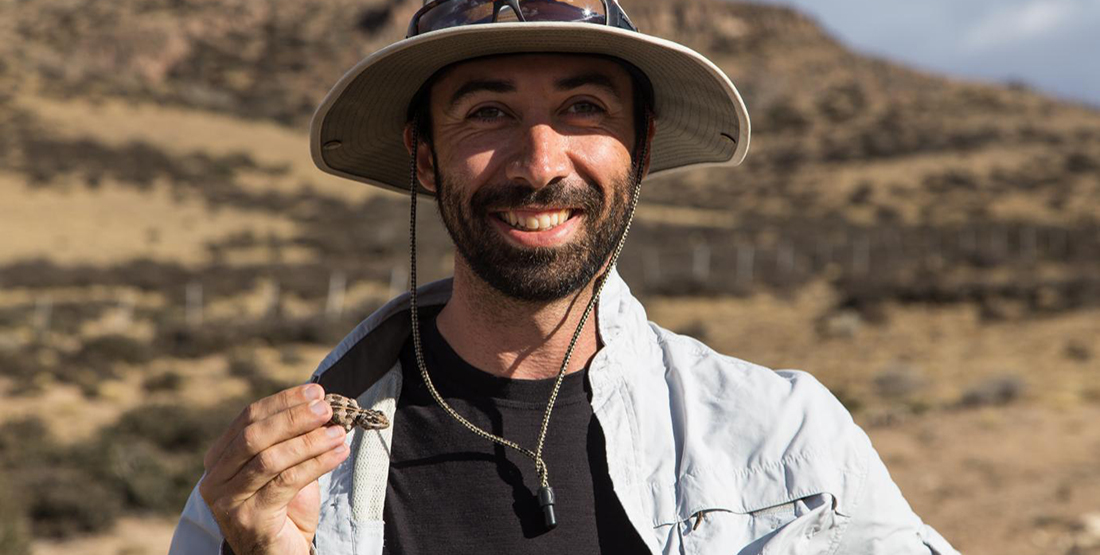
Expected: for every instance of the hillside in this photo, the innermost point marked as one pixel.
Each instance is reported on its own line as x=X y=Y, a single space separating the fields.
x=926 y=247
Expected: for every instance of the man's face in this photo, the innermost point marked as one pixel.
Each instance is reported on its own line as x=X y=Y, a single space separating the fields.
x=532 y=168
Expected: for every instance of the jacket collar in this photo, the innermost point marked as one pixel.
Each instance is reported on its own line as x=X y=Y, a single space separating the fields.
x=372 y=348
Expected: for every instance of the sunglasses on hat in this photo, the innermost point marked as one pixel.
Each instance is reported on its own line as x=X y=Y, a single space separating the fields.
x=441 y=14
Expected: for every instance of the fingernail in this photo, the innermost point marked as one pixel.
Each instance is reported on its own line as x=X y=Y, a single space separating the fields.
x=340 y=449
x=318 y=407
x=334 y=431
x=314 y=391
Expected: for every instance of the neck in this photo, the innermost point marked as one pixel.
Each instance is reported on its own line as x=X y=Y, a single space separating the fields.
x=511 y=338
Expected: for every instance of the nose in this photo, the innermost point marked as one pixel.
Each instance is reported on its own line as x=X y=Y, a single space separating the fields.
x=542 y=157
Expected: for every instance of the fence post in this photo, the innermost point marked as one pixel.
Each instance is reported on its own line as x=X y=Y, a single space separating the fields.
x=861 y=255
x=824 y=253
x=998 y=242
x=930 y=249
x=126 y=305
x=968 y=241
x=897 y=247
x=399 y=280
x=1058 y=242
x=274 y=304
x=700 y=262
x=784 y=258
x=337 y=285
x=651 y=267
x=194 y=304
x=43 y=311
x=1028 y=243
x=746 y=254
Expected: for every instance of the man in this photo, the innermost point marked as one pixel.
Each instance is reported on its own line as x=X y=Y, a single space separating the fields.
x=533 y=408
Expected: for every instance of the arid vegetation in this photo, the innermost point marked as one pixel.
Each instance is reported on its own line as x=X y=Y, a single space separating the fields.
x=927 y=248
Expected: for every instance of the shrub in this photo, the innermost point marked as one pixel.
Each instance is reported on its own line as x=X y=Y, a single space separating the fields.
x=58 y=491
x=19 y=365
x=899 y=382
x=65 y=501
x=1078 y=351
x=171 y=428
x=102 y=353
x=259 y=383
x=14 y=528
x=164 y=381
x=152 y=457
x=995 y=391
x=26 y=442
x=842 y=103
x=784 y=115
x=181 y=340
x=143 y=475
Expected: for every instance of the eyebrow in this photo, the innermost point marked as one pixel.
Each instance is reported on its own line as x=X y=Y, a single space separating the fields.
x=505 y=86
x=479 y=85
x=593 y=78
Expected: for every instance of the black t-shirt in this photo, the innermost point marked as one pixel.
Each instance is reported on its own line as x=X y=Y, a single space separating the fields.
x=452 y=491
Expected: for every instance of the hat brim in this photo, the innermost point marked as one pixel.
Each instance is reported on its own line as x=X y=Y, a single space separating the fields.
x=357 y=132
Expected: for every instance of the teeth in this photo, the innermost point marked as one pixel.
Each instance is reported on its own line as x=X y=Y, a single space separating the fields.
x=542 y=222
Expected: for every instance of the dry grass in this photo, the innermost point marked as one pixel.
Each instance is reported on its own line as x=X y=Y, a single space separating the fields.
x=182 y=131
x=951 y=346
x=115 y=224
x=147 y=175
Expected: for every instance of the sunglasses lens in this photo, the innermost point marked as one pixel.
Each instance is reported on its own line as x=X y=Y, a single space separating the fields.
x=587 y=11
x=454 y=13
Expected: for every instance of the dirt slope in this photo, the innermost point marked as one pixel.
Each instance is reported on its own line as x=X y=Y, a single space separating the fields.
x=925 y=247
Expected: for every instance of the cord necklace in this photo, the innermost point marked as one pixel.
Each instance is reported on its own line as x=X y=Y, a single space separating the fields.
x=545 y=493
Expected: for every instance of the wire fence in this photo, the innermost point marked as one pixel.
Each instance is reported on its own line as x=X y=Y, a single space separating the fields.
x=734 y=261
x=679 y=261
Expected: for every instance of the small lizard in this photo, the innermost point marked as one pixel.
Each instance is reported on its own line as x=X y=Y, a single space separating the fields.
x=347 y=414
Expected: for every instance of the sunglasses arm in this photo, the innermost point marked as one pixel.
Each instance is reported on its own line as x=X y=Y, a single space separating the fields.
x=616 y=17
x=514 y=4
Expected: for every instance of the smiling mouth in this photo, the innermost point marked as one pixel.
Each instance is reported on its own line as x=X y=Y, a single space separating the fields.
x=536 y=220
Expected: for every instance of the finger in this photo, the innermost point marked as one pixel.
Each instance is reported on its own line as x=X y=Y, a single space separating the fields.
x=280 y=491
x=258 y=436
x=270 y=463
x=259 y=410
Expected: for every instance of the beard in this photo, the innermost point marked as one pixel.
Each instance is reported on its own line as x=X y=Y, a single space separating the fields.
x=535 y=274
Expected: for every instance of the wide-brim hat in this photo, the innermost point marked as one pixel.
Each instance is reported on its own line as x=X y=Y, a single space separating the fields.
x=357 y=132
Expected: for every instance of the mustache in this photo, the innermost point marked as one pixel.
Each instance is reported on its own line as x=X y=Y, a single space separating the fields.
x=560 y=193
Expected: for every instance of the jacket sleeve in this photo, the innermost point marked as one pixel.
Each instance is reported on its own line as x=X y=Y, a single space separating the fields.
x=882 y=523
x=196 y=533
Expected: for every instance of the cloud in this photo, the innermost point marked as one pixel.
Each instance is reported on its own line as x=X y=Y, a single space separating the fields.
x=1024 y=22
x=1051 y=44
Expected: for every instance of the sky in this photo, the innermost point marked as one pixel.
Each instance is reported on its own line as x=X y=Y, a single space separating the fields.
x=1050 y=45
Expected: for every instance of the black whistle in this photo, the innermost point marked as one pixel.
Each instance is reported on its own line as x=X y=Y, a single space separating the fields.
x=546 y=501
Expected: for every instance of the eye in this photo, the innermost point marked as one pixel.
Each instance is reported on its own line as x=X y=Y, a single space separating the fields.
x=585 y=107
x=487 y=113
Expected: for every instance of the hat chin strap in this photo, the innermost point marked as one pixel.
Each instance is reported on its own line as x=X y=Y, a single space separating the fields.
x=545 y=493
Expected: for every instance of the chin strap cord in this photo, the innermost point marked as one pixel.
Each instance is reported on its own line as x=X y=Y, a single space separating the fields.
x=545 y=493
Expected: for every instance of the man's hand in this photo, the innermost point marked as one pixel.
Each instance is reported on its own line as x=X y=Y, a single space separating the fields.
x=261 y=474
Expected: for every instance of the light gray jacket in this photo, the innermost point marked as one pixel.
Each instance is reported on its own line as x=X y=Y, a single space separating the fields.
x=707 y=453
